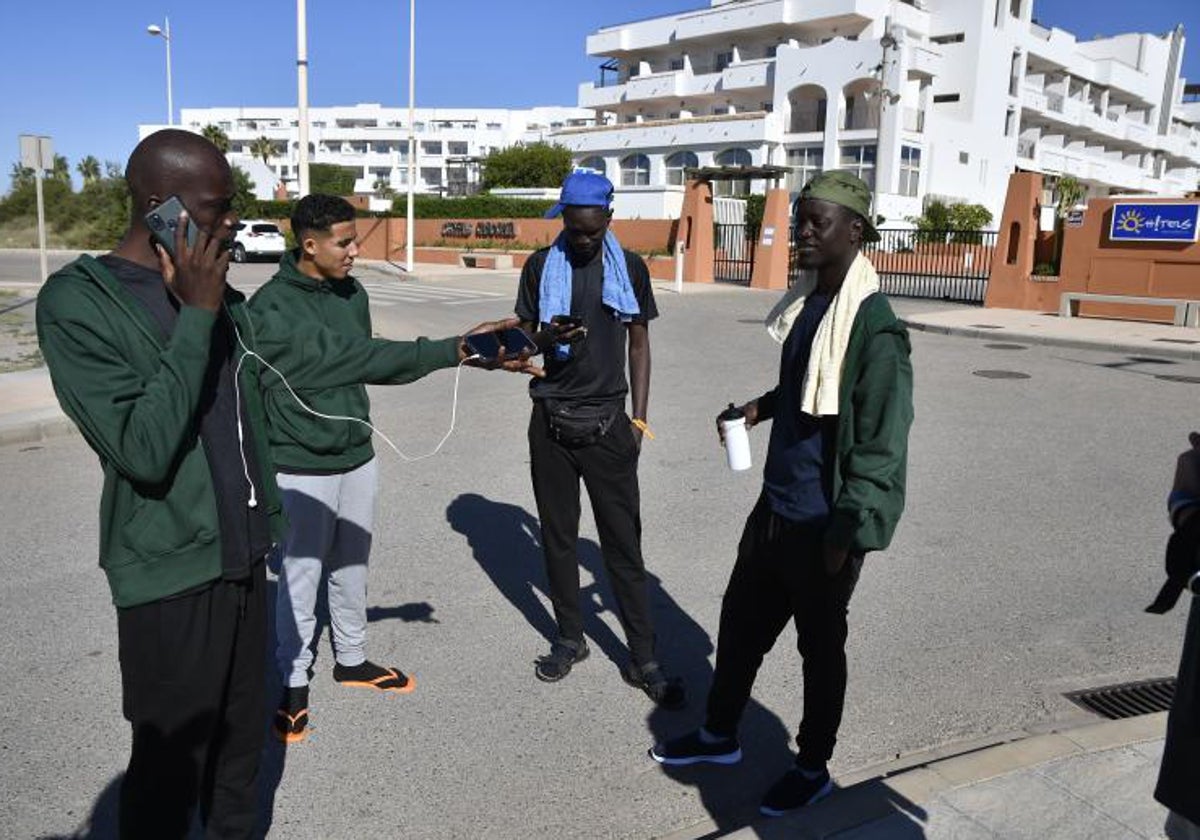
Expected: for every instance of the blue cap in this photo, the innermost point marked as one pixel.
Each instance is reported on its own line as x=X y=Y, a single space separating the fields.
x=583 y=189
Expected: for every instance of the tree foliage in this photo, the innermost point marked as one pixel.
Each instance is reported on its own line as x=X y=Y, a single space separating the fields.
x=88 y=169
x=534 y=165
x=217 y=136
x=957 y=222
x=244 y=202
x=331 y=179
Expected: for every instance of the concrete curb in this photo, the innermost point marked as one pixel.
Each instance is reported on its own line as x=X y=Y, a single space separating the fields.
x=875 y=793
x=35 y=426
x=1007 y=334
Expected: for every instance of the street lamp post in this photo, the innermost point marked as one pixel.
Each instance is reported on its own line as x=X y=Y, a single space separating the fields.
x=302 y=98
x=164 y=32
x=412 y=137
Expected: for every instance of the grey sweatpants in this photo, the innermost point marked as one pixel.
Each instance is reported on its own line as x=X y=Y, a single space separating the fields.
x=330 y=520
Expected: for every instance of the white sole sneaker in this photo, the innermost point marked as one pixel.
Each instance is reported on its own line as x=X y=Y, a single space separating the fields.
x=825 y=790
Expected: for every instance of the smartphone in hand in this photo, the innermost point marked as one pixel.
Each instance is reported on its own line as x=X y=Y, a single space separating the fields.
x=163 y=221
x=487 y=345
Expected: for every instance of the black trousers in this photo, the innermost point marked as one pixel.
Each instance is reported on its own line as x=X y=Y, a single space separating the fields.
x=608 y=468
x=193 y=678
x=780 y=575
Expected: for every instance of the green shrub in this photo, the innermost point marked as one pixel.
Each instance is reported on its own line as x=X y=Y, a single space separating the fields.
x=755 y=206
x=1045 y=269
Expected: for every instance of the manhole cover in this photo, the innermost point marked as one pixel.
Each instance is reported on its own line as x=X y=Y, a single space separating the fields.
x=1166 y=377
x=1006 y=346
x=987 y=326
x=1177 y=341
x=1000 y=374
x=1127 y=699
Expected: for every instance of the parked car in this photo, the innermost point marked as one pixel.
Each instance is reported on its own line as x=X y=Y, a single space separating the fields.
x=258 y=238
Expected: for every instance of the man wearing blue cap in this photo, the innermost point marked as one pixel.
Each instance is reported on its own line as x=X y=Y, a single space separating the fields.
x=579 y=428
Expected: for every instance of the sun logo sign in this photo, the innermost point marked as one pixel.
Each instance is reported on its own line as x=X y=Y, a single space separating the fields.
x=1154 y=222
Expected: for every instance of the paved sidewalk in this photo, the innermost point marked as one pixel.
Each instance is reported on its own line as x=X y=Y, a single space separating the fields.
x=1041 y=328
x=1095 y=781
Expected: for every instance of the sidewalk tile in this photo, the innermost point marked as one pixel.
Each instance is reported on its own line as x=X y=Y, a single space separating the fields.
x=1025 y=806
x=1118 y=782
x=1005 y=758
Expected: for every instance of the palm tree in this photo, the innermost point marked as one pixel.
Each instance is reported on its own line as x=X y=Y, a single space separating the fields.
x=217 y=136
x=89 y=169
x=263 y=147
x=21 y=176
x=383 y=188
x=61 y=170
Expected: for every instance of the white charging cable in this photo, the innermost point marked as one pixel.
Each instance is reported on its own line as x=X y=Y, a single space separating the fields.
x=237 y=391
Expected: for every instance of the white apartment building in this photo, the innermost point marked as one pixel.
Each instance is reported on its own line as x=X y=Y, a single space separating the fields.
x=450 y=142
x=922 y=98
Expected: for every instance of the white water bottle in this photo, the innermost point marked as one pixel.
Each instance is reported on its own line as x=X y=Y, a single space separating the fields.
x=737 y=438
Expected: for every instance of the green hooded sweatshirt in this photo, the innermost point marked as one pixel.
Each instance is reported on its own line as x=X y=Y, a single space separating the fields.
x=317 y=333
x=135 y=399
x=875 y=411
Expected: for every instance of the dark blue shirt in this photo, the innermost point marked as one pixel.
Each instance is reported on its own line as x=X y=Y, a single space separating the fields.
x=798 y=476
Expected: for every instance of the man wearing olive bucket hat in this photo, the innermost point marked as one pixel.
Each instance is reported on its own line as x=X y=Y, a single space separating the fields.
x=833 y=487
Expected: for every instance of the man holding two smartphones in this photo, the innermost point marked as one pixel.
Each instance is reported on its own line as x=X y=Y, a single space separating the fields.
x=313 y=325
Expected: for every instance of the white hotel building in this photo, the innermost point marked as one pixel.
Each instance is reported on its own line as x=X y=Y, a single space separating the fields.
x=374 y=140
x=922 y=98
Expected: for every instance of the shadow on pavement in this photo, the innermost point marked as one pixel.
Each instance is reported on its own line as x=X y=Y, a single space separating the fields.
x=506 y=541
x=101 y=823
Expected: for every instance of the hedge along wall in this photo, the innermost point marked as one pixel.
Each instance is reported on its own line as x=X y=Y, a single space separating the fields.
x=385 y=238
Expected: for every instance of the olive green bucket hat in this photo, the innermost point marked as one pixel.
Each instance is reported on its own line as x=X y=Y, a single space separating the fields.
x=841 y=187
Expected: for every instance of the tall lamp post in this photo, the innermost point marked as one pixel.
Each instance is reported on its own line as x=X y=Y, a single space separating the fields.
x=164 y=32
x=412 y=137
x=302 y=98
x=886 y=97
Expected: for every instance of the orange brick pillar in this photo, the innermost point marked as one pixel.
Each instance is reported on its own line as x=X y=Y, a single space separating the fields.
x=696 y=231
x=774 y=245
x=1012 y=263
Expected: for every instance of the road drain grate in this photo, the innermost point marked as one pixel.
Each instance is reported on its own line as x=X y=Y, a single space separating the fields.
x=1127 y=699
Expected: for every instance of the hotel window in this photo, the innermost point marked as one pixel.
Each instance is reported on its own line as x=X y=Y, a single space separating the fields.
x=724 y=59
x=733 y=157
x=910 y=170
x=860 y=160
x=676 y=164
x=635 y=171
x=676 y=64
x=596 y=164
x=457 y=147
x=806 y=163
x=431 y=176
x=431 y=147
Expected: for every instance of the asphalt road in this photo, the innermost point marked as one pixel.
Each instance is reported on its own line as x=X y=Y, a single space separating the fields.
x=1031 y=543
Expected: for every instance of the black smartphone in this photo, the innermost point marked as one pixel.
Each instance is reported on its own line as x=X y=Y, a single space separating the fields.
x=163 y=221
x=568 y=321
x=487 y=345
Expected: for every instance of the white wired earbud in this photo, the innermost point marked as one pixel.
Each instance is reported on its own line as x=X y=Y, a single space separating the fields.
x=247 y=352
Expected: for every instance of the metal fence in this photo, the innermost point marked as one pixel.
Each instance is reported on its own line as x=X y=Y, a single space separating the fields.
x=734 y=247
x=940 y=264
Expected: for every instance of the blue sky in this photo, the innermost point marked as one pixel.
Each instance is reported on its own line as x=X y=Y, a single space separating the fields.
x=87 y=73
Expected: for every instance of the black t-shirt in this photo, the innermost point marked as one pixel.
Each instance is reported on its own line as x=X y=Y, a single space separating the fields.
x=245 y=531
x=594 y=373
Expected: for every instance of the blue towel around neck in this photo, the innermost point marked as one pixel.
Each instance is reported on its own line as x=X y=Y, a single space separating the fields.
x=554 y=292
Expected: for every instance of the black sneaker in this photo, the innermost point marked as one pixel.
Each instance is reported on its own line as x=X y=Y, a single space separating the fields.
x=666 y=693
x=290 y=724
x=795 y=790
x=692 y=749
x=557 y=664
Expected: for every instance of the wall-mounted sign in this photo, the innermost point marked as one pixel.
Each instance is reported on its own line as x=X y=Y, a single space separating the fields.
x=768 y=235
x=482 y=230
x=1154 y=222
x=1075 y=217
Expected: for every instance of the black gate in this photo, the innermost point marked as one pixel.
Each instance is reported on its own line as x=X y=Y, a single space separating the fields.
x=733 y=253
x=940 y=264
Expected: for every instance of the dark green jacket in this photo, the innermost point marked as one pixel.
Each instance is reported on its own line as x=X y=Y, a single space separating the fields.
x=875 y=411
x=318 y=335
x=135 y=399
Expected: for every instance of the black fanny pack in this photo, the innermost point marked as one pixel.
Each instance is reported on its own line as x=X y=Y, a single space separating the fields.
x=580 y=425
